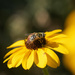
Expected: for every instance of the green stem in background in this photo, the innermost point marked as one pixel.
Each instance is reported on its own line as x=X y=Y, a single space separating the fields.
x=45 y=71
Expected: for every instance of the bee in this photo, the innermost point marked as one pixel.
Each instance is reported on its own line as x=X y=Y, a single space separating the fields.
x=35 y=40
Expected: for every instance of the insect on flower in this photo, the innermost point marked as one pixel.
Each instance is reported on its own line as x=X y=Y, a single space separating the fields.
x=36 y=48
x=35 y=40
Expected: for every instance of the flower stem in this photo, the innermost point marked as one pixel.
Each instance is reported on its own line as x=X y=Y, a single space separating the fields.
x=45 y=71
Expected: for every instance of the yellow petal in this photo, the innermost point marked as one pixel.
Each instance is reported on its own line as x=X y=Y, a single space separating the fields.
x=51 y=62
x=28 y=60
x=52 y=32
x=60 y=40
x=36 y=57
x=18 y=57
x=58 y=36
x=41 y=58
x=51 y=54
x=12 y=51
x=18 y=60
x=51 y=44
x=9 y=64
x=61 y=49
x=8 y=58
x=17 y=44
x=11 y=56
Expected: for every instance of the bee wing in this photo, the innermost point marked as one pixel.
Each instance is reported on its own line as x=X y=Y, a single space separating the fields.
x=26 y=35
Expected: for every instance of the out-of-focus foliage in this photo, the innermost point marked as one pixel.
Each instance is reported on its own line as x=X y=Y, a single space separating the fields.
x=35 y=15
x=69 y=60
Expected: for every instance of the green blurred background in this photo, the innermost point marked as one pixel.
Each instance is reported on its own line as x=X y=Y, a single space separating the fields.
x=19 y=17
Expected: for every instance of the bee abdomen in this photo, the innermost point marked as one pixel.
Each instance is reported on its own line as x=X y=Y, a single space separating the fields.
x=36 y=43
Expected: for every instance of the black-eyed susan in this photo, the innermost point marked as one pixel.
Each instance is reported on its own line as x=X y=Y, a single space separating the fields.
x=37 y=48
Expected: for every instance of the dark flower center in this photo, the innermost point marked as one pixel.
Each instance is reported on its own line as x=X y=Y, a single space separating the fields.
x=34 y=41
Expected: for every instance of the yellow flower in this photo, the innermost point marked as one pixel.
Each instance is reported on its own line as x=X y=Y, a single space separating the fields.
x=37 y=48
x=69 y=60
